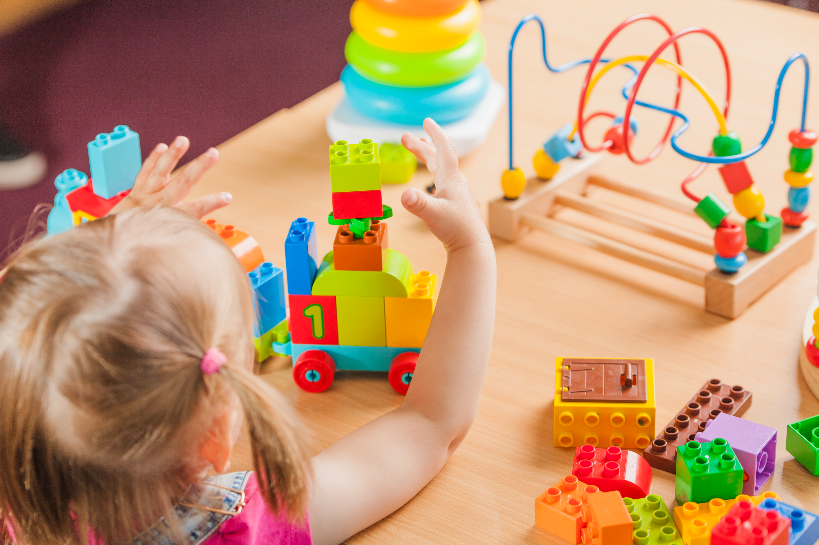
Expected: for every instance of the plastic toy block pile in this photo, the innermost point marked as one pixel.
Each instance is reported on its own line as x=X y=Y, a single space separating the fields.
x=721 y=462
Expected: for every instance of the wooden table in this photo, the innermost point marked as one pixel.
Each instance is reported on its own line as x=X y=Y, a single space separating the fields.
x=556 y=298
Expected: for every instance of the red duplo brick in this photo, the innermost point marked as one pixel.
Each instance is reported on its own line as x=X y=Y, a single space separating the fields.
x=357 y=204
x=612 y=469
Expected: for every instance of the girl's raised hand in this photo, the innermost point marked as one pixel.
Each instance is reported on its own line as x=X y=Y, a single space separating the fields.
x=154 y=186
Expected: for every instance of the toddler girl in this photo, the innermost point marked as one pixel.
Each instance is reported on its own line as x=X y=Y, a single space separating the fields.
x=126 y=361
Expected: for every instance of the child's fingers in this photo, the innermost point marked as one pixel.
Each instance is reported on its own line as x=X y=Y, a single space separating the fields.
x=148 y=165
x=445 y=157
x=191 y=174
x=203 y=206
x=422 y=149
x=419 y=203
x=158 y=177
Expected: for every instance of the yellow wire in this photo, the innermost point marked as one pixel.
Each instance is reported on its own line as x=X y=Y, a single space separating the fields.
x=723 y=127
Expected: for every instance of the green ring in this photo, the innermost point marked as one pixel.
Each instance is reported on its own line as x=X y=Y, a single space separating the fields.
x=414 y=69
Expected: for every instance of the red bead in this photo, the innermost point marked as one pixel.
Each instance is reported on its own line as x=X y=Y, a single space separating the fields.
x=793 y=219
x=812 y=352
x=729 y=240
x=615 y=135
x=802 y=139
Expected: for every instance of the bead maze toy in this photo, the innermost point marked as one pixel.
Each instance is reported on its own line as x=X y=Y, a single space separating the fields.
x=412 y=59
x=809 y=354
x=775 y=245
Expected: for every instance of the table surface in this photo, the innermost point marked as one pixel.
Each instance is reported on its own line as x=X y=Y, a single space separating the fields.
x=556 y=298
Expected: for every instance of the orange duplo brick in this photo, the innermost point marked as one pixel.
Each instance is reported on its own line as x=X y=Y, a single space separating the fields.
x=243 y=246
x=560 y=509
x=360 y=254
x=608 y=520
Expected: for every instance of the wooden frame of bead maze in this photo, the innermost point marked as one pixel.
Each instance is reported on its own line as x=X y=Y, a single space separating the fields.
x=727 y=295
x=568 y=161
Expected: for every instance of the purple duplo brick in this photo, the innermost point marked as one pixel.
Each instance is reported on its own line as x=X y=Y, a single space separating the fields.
x=753 y=444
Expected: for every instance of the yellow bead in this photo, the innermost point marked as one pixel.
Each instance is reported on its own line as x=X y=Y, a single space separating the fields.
x=815 y=330
x=816 y=316
x=544 y=166
x=513 y=183
x=749 y=202
x=798 y=179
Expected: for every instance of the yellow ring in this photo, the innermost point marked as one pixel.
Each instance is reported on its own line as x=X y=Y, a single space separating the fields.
x=415 y=34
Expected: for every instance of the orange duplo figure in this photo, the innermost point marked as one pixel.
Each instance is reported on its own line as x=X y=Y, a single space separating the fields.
x=360 y=254
x=609 y=522
x=243 y=246
x=560 y=509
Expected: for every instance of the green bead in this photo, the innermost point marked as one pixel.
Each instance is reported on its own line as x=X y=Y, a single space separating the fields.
x=800 y=159
x=712 y=210
x=763 y=236
x=725 y=145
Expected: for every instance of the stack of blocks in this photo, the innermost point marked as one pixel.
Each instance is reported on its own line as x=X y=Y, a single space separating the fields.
x=363 y=293
x=604 y=402
x=115 y=160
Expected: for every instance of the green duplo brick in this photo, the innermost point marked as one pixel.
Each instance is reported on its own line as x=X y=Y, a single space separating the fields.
x=652 y=521
x=802 y=441
x=800 y=159
x=706 y=471
x=763 y=236
x=354 y=167
x=711 y=210
x=397 y=164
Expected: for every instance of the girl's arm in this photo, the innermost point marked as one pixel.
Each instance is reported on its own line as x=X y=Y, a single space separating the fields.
x=378 y=468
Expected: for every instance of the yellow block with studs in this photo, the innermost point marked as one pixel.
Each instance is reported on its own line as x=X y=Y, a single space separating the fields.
x=408 y=318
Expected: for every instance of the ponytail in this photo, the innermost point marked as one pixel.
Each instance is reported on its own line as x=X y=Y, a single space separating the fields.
x=279 y=453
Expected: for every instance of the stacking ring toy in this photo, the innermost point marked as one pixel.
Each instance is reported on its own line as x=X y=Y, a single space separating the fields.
x=410 y=105
x=417 y=8
x=414 y=69
x=415 y=34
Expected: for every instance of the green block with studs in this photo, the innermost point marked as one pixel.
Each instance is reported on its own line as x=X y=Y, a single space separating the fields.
x=712 y=210
x=800 y=159
x=354 y=167
x=763 y=236
x=397 y=164
x=652 y=521
x=802 y=441
x=266 y=344
x=706 y=471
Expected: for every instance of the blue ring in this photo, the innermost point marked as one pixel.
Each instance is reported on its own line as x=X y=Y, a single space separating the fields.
x=411 y=105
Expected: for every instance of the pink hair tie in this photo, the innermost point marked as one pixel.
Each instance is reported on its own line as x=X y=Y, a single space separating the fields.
x=212 y=361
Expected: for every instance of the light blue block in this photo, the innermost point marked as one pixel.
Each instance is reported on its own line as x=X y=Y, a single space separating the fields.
x=558 y=147
x=301 y=255
x=61 y=219
x=804 y=525
x=115 y=159
x=268 y=287
x=798 y=198
x=356 y=358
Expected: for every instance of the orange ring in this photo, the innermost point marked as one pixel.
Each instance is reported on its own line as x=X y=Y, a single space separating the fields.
x=417 y=8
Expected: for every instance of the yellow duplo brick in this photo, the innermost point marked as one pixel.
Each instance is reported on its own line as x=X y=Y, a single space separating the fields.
x=80 y=215
x=696 y=520
x=408 y=318
x=361 y=321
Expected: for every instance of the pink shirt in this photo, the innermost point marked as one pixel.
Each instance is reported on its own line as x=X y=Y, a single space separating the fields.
x=256 y=524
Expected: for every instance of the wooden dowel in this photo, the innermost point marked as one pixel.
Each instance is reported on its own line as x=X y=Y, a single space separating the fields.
x=610 y=213
x=616 y=249
x=646 y=193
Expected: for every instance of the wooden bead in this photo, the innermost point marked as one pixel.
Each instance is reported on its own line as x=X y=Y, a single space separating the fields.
x=812 y=352
x=724 y=145
x=513 y=183
x=729 y=240
x=736 y=177
x=798 y=179
x=731 y=265
x=802 y=139
x=798 y=198
x=816 y=315
x=712 y=210
x=815 y=329
x=749 y=202
x=615 y=135
x=544 y=166
x=791 y=218
x=800 y=159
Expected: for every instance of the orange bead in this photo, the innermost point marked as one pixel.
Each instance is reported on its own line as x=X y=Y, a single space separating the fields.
x=417 y=8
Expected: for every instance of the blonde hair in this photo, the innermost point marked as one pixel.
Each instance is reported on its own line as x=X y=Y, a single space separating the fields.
x=103 y=405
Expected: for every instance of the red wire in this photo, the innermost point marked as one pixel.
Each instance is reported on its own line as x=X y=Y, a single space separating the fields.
x=593 y=64
x=647 y=66
x=691 y=177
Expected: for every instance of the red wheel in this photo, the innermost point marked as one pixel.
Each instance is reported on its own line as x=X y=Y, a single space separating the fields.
x=401 y=370
x=314 y=371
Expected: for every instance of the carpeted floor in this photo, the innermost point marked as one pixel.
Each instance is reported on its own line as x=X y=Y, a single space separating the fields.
x=207 y=69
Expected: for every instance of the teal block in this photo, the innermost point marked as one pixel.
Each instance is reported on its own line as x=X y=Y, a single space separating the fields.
x=706 y=471
x=356 y=358
x=354 y=167
x=653 y=523
x=802 y=441
x=61 y=218
x=763 y=236
x=115 y=159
